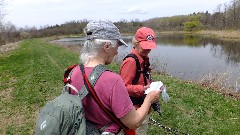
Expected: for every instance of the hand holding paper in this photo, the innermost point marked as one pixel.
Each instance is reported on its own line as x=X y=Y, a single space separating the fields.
x=154 y=86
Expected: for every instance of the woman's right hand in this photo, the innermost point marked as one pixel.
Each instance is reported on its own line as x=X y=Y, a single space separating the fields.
x=153 y=96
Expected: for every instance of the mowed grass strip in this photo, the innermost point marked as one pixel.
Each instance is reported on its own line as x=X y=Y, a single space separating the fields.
x=196 y=110
x=32 y=75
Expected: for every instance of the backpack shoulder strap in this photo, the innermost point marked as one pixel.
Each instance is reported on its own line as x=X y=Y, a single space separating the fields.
x=95 y=74
x=138 y=67
x=67 y=79
x=68 y=73
x=88 y=83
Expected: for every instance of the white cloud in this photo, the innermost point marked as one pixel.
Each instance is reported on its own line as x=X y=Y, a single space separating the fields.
x=30 y=2
x=136 y=10
x=51 y=12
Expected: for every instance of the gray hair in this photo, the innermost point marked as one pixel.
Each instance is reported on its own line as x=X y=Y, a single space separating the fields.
x=92 y=49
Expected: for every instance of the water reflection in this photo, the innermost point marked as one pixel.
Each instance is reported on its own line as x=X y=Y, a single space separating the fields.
x=194 y=57
x=190 y=57
x=179 y=40
x=229 y=50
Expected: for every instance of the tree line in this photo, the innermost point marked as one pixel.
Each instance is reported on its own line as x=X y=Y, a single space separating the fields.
x=225 y=17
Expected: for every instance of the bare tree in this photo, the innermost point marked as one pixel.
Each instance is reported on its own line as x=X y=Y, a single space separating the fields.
x=234 y=12
x=1 y=10
x=1 y=23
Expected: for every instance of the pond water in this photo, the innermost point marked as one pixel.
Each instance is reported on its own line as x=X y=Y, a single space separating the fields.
x=189 y=57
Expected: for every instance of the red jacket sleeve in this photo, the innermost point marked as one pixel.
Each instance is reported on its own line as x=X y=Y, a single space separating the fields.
x=127 y=72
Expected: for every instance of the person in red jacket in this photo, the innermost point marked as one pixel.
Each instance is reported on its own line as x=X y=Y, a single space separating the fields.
x=143 y=42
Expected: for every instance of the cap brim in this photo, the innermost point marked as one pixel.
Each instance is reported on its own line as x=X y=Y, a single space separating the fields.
x=121 y=42
x=148 y=45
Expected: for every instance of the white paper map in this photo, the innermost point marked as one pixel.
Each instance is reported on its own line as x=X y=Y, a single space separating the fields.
x=154 y=86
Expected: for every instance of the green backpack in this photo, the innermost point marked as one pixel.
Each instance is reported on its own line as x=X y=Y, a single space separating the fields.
x=64 y=115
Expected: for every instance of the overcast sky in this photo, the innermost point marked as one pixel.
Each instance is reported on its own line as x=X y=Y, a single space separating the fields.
x=51 y=12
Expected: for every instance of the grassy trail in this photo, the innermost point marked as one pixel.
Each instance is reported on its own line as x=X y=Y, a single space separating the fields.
x=32 y=75
x=29 y=77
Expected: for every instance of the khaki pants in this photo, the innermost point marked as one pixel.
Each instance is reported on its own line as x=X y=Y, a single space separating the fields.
x=121 y=133
x=142 y=130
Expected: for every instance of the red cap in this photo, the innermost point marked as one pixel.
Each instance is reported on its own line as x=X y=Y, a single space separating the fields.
x=146 y=38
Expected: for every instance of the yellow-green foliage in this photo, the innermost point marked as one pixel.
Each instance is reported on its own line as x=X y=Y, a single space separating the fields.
x=192 y=26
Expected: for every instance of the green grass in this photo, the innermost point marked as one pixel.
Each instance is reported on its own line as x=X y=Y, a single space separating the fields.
x=32 y=75
x=196 y=110
x=29 y=77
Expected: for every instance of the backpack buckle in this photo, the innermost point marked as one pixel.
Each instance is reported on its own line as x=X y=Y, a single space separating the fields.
x=67 y=80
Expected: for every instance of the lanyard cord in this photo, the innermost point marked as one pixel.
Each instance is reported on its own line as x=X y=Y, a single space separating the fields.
x=98 y=101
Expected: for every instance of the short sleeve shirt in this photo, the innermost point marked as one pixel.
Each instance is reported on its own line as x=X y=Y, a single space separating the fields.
x=112 y=92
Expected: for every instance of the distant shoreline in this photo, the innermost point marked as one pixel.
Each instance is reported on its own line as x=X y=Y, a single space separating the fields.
x=224 y=35
x=230 y=35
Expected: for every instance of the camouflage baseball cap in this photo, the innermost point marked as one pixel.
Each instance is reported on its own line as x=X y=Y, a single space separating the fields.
x=103 y=29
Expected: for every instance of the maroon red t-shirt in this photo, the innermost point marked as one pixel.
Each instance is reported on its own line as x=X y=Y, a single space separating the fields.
x=111 y=90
